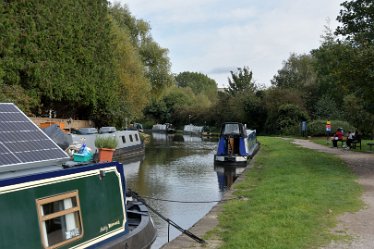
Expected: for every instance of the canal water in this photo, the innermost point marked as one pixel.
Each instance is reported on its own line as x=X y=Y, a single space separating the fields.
x=177 y=169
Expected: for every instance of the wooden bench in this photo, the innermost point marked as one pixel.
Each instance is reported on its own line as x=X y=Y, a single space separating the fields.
x=356 y=141
x=370 y=145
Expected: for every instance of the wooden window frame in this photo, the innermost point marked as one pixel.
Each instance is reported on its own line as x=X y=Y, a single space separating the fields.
x=42 y=218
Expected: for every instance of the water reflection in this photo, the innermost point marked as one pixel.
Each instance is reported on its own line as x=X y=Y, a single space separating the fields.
x=227 y=175
x=177 y=168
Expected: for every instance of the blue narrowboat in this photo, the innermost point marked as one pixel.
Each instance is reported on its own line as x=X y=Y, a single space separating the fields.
x=236 y=144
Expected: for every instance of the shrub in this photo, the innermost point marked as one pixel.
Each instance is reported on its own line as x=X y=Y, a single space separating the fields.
x=318 y=128
x=108 y=142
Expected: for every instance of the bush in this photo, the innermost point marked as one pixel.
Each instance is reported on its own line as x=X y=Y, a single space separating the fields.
x=318 y=128
x=108 y=142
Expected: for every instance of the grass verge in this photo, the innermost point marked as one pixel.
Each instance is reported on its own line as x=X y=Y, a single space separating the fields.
x=291 y=199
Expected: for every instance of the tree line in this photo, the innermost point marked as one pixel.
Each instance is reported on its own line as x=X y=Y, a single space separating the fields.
x=91 y=60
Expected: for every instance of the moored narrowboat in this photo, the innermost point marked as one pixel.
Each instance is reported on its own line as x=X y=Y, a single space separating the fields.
x=194 y=130
x=163 y=128
x=236 y=144
x=129 y=142
x=44 y=204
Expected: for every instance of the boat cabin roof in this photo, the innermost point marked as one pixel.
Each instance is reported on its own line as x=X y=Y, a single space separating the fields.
x=233 y=128
x=23 y=145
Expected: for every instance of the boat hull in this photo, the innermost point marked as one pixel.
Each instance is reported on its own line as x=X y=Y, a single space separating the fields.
x=94 y=211
x=136 y=238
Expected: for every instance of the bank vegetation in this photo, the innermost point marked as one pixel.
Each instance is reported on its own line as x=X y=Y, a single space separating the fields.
x=92 y=60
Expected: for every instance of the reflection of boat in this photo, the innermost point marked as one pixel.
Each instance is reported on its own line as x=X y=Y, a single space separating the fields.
x=236 y=144
x=44 y=205
x=163 y=128
x=162 y=137
x=129 y=141
x=131 y=168
x=193 y=139
x=227 y=175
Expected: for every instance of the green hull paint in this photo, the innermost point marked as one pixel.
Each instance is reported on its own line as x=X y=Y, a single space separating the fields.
x=100 y=199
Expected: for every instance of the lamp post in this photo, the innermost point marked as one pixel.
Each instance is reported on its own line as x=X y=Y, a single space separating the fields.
x=189 y=119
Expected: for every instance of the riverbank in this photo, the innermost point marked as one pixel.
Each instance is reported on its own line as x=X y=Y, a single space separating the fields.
x=291 y=198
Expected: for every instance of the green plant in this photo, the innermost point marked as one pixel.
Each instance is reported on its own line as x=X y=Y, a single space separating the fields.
x=108 y=142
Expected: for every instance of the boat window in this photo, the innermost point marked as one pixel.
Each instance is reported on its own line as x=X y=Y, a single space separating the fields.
x=124 y=139
x=131 y=140
x=60 y=219
x=136 y=137
x=231 y=129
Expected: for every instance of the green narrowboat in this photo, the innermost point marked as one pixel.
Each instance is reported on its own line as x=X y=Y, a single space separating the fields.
x=44 y=204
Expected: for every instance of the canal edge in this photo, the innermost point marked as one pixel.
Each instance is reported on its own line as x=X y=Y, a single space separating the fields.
x=206 y=223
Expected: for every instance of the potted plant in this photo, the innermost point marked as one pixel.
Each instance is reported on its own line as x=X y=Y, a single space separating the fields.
x=106 y=146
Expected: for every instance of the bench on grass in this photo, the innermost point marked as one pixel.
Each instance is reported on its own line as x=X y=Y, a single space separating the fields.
x=370 y=145
x=356 y=141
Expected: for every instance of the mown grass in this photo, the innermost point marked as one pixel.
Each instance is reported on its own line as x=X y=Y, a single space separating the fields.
x=291 y=199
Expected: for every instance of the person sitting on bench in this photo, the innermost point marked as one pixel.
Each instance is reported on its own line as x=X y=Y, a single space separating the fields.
x=338 y=136
x=349 y=139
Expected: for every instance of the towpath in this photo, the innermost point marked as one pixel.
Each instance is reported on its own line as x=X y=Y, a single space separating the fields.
x=358 y=225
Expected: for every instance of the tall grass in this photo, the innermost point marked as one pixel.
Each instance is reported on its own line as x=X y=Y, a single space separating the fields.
x=291 y=199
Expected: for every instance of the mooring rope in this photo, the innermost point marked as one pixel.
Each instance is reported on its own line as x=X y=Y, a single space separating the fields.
x=169 y=221
x=190 y=202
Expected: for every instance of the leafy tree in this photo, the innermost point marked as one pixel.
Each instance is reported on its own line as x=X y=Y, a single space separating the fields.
x=241 y=81
x=274 y=97
x=357 y=113
x=289 y=116
x=298 y=72
x=59 y=53
x=357 y=18
x=327 y=108
x=134 y=87
x=155 y=58
x=198 y=82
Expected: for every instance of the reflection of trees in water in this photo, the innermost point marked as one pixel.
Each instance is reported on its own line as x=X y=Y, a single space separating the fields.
x=175 y=170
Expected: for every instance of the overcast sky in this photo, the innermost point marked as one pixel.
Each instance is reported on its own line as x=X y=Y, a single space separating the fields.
x=214 y=37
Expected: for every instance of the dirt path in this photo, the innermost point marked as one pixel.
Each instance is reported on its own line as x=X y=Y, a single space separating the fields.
x=359 y=225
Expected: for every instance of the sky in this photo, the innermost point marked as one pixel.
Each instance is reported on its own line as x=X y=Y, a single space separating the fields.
x=215 y=37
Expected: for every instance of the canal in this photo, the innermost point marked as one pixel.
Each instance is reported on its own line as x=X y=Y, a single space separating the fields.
x=177 y=168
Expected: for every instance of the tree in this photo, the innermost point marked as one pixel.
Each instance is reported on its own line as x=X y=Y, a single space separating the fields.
x=241 y=81
x=59 y=53
x=155 y=59
x=357 y=20
x=274 y=97
x=199 y=83
x=134 y=90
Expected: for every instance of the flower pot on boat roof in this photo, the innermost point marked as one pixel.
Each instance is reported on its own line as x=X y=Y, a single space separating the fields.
x=106 y=146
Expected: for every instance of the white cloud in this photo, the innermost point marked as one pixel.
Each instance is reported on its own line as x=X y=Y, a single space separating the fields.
x=209 y=36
